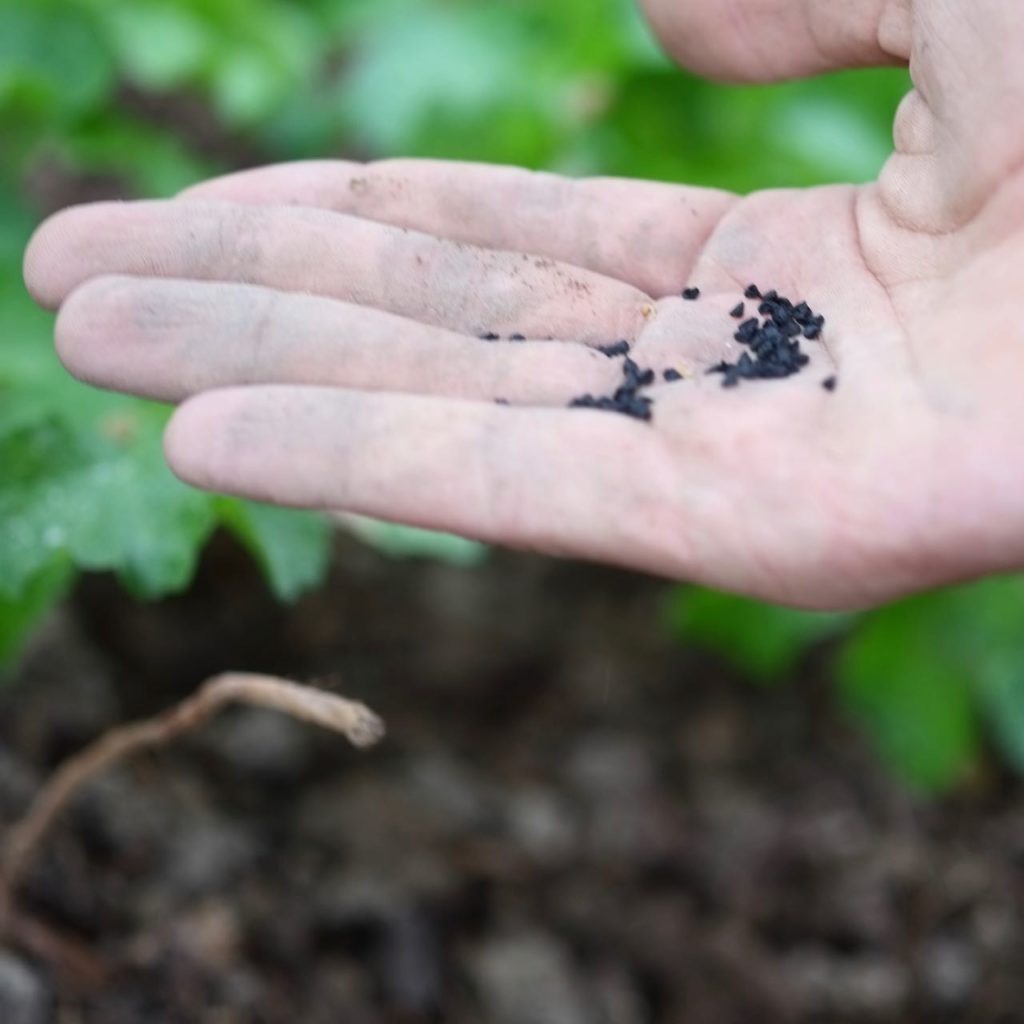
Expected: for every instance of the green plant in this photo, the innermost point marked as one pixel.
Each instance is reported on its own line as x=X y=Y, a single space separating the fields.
x=929 y=678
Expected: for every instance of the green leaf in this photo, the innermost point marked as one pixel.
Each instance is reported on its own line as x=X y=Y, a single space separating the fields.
x=410 y=542
x=107 y=503
x=52 y=58
x=159 y=45
x=986 y=623
x=293 y=547
x=1001 y=689
x=765 y=640
x=911 y=692
x=20 y=615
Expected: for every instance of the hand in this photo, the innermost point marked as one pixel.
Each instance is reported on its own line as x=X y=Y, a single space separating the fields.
x=319 y=322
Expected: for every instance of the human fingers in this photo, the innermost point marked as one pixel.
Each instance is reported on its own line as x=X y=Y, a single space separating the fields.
x=769 y=40
x=169 y=339
x=645 y=233
x=437 y=281
x=573 y=483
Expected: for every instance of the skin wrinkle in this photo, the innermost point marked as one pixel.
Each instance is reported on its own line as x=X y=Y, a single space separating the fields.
x=265 y=318
x=895 y=30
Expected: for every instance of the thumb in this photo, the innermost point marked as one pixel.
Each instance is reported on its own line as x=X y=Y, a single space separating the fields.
x=768 y=40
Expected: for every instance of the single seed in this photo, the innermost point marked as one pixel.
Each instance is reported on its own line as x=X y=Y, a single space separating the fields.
x=737 y=311
x=620 y=348
x=489 y=336
x=829 y=383
x=672 y=375
x=690 y=294
x=517 y=337
x=753 y=292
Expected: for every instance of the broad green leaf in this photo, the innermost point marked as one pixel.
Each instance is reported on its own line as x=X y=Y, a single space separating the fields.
x=154 y=163
x=106 y=503
x=765 y=640
x=411 y=542
x=294 y=548
x=52 y=58
x=20 y=615
x=911 y=692
x=1001 y=690
x=986 y=623
x=159 y=45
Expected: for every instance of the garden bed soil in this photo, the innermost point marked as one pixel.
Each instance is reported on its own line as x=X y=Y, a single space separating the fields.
x=574 y=819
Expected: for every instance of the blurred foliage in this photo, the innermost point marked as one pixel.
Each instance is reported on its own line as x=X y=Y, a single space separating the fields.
x=929 y=678
x=157 y=93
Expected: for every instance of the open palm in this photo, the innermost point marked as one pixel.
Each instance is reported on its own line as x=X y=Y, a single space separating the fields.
x=321 y=323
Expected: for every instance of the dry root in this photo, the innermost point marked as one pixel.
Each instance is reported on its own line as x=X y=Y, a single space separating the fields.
x=353 y=720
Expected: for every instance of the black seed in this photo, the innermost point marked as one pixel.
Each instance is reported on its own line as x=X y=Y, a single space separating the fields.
x=753 y=292
x=501 y=401
x=829 y=383
x=722 y=367
x=646 y=378
x=737 y=312
x=517 y=337
x=620 y=348
x=690 y=294
x=747 y=331
x=771 y=296
x=813 y=332
x=489 y=336
x=672 y=375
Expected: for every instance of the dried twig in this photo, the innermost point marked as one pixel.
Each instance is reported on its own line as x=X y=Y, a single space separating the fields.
x=355 y=721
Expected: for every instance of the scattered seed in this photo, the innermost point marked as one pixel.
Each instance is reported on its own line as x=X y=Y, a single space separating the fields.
x=626 y=399
x=501 y=401
x=737 y=312
x=517 y=337
x=753 y=292
x=672 y=375
x=691 y=294
x=620 y=348
x=829 y=383
x=489 y=336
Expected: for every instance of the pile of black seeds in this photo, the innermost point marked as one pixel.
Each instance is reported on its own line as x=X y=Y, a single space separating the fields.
x=773 y=344
x=774 y=341
x=626 y=399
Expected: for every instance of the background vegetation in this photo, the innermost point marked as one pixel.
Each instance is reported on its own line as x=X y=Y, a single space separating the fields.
x=141 y=97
